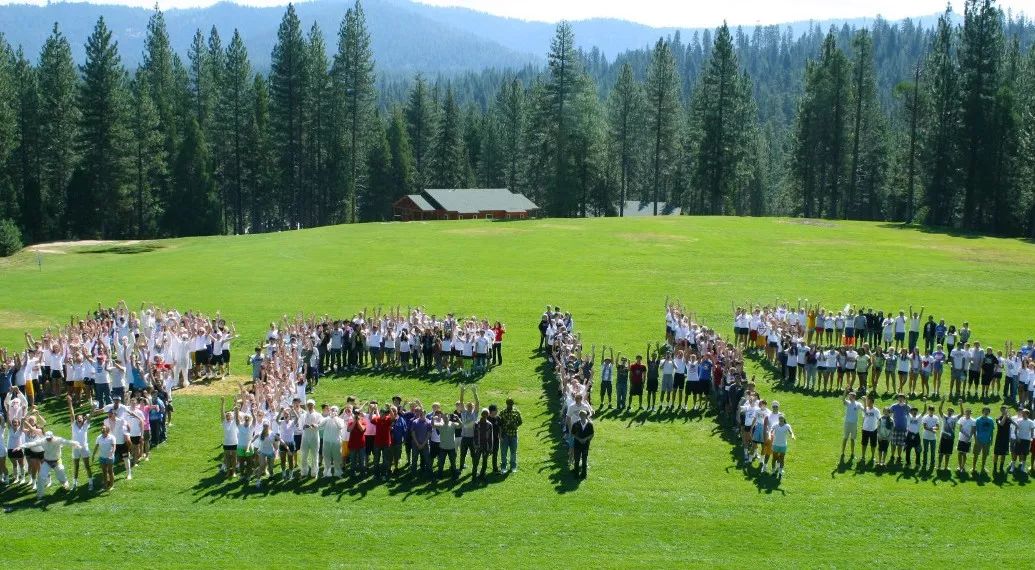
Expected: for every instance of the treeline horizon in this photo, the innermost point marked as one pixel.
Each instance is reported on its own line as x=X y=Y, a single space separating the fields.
x=888 y=122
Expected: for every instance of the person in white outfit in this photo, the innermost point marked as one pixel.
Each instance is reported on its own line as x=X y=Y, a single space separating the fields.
x=81 y=454
x=310 y=422
x=331 y=429
x=51 y=459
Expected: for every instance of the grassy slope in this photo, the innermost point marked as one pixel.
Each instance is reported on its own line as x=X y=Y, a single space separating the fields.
x=660 y=490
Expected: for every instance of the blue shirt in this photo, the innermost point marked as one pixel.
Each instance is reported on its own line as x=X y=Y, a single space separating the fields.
x=399 y=430
x=420 y=428
x=983 y=428
x=704 y=371
x=899 y=412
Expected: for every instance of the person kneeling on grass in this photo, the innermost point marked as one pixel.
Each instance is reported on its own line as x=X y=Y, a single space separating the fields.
x=779 y=434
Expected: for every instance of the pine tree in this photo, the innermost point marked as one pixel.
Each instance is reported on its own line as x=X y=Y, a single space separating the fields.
x=866 y=169
x=662 y=104
x=59 y=119
x=201 y=88
x=96 y=198
x=401 y=172
x=353 y=76
x=197 y=195
x=8 y=197
x=723 y=115
x=288 y=113
x=257 y=172
x=586 y=146
x=421 y=126
x=375 y=203
x=1026 y=105
x=450 y=167
x=28 y=175
x=940 y=126
x=318 y=95
x=625 y=130
x=980 y=54
x=510 y=106
x=232 y=119
x=160 y=73
x=149 y=163
x=563 y=71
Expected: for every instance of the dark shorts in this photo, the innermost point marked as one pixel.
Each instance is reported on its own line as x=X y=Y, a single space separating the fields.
x=900 y=336
x=1002 y=447
x=1022 y=446
x=974 y=376
x=636 y=389
x=37 y=455
x=963 y=447
x=945 y=445
x=869 y=438
x=135 y=439
x=882 y=445
x=121 y=450
x=298 y=442
x=16 y=454
x=652 y=385
x=229 y=448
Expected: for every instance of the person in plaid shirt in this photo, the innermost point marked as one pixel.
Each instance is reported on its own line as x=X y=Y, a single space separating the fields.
x=510 y=421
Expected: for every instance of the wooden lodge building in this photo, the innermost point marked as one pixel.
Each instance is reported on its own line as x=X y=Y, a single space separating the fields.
x=464 y=204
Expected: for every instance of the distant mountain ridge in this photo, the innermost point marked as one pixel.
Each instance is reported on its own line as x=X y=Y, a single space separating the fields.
x=407 y=37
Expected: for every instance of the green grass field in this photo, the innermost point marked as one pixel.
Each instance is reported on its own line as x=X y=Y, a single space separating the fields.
x=662 y=490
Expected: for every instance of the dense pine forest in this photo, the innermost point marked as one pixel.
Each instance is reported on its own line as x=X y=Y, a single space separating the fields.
x=890 y=122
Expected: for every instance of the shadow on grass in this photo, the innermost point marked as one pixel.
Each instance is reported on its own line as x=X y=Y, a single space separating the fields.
x=126 y=249
x=551 y=432
x=215 y=486
x=947 y=231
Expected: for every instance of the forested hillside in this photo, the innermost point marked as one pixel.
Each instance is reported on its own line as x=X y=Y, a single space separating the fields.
x=888 y=122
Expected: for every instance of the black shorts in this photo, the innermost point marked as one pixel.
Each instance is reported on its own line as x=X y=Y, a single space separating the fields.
x=945 y=445
x=287 y=446
x=135 y=439
x=298 y=441
x=16 y=453
x=963 y=446
x=229 y=448
x=974 y=376
x=37 y=455
x=869 y=438
x=121 y=450
x=882 y=445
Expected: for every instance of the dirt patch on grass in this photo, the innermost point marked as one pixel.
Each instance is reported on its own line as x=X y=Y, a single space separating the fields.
x=556 y=226
x=25 y=321
x=655 y=237
x=808 y=221
x=494 y=230
x=59 y=247
x=214 y=387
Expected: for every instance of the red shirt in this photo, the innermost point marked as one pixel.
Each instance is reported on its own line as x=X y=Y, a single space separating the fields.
x=383 y=437
x=357 y=434
x=499 y=333
x=636 y=372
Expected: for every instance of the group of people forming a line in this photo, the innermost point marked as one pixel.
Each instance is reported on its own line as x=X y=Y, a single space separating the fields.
x=564 y=351
x=115 y=363
x=268 y=426
x=115 y=352
x=928 y=436
x=412 y=342
x=827 y=351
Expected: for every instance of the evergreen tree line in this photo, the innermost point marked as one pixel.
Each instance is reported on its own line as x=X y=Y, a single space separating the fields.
x=890 y=122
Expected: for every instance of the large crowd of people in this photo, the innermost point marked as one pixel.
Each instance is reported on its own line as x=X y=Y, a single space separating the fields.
x=306 y=348
x=270 y=425
x=114 y=364
x=872 y=351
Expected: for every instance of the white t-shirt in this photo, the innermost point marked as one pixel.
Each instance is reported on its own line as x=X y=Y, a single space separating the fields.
x=852 y=410
x=1024 y=428
x=930 y=425
x=871 y=417
x=966 y=426
x=229 y=433
x=105 y=446
x=780 y=434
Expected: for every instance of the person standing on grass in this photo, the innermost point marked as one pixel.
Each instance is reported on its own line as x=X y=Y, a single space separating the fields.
x=637 y=374
x=1003 y=435
x=871 y=420
x=966 y=426
x=607 y=368
x=468 y=417
x=622 y=383
x=948 y=435
x=779 y=435
x=653 y=373
x=913 y=437
x=446 y=427
x=420 y=440
x=1023 y=431
x=582 y=433
x=510 y=420
x=357 y=444
x=483 y=444
x=668 y=369
x=104 y=452
x=989 y=365
x=929 y=427
x=771 y=420
x=81 y=454
x=914 y=327
x=851 y=425
x=51 y=460
x=984 y=430
x=309 y=421
x=885 y=431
